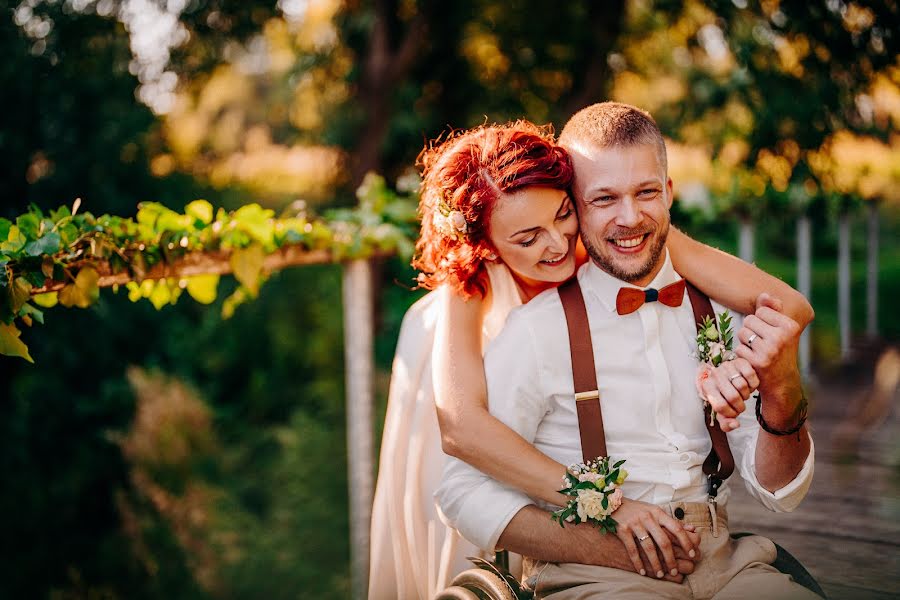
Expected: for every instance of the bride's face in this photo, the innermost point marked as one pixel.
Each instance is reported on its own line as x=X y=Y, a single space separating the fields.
x=535 y=232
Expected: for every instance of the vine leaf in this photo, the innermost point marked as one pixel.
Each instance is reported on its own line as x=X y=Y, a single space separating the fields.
x=83 y=292
x=11 y=345
x=203 y=288
x=47 y=244
x=19 y=293
x=247 y=264
x=47 y=300
x=200 y=210
x=15 y=240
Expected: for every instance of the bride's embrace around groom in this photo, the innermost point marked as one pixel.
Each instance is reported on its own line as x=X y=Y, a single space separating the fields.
x=501 y=209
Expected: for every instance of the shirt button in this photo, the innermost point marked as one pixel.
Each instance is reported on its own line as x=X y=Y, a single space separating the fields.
x=679 y=513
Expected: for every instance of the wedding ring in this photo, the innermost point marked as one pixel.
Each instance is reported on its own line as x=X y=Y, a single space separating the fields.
x=643 y=537
x=750 y=340
x=733 y=377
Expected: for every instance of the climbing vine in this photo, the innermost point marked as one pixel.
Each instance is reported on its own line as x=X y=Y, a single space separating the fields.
x=65 y=256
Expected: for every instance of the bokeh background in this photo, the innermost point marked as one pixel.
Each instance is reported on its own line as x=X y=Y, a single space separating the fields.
x=175 y=454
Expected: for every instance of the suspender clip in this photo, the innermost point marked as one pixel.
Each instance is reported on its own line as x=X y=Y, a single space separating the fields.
x=713 y=483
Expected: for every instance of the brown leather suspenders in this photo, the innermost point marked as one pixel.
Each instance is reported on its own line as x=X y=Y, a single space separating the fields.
x=719 y=464
x=587 y=395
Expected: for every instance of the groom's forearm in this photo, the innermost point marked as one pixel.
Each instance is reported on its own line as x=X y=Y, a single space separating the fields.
x=532 y=533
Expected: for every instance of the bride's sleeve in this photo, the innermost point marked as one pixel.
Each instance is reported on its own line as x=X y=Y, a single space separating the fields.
x=730 y=281
x=468 y=431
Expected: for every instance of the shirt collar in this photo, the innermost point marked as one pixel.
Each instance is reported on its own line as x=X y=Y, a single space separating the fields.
x=606 y=287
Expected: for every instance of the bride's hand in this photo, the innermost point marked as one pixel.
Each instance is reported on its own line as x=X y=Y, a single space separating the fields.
x=727 y=388
x=650 y=526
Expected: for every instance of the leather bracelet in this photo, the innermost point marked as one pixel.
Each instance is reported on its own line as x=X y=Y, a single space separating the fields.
x=804 y=404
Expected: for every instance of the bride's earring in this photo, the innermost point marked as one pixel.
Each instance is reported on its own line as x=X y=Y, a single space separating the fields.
x=492 y=257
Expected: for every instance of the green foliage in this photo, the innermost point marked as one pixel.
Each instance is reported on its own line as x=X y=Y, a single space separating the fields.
x=70 y=249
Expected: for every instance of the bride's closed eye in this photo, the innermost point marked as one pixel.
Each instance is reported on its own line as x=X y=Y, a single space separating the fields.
x=565 y=215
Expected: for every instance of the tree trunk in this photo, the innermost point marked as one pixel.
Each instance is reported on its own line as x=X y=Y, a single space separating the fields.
x=804 y=284
x=745 y=240
x=872 y=273
x=358 y=356
x=844 y=283
x=607 y=19
x=388 y=61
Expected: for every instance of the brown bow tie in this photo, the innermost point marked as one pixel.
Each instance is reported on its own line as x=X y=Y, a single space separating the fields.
x=631 y=299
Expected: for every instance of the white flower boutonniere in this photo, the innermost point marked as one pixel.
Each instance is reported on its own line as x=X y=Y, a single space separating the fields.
x=715 y=341
x=594 y=493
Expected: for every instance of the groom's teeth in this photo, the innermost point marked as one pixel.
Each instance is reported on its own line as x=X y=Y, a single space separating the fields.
x=630 y=242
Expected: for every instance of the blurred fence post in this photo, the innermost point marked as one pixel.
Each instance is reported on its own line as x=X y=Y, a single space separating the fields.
x=872 y=273
x=745 y=240
x=804 y=283
x=358 y=356
x=844 y=282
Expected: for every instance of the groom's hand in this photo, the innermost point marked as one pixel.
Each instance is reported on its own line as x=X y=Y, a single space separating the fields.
x=658 y=534
x=769 y=342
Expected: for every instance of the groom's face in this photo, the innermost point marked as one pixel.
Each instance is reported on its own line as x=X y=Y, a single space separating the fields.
x=623 y=196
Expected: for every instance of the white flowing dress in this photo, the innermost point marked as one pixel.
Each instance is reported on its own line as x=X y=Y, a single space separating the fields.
x=413 y=554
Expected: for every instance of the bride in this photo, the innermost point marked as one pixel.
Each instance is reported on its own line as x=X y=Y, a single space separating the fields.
x=498 y=228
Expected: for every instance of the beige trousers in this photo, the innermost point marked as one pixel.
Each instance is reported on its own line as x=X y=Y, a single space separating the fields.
x=728 y=570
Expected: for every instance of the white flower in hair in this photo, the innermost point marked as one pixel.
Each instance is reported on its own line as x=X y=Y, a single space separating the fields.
x=450 y=222
x=458 y=221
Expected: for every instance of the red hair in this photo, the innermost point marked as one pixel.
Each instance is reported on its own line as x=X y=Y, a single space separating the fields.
x=468 y=172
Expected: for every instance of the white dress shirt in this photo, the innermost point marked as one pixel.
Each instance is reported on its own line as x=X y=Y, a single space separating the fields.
x=653 y=418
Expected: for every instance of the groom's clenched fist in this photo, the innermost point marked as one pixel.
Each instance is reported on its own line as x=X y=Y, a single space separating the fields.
x=769 y=341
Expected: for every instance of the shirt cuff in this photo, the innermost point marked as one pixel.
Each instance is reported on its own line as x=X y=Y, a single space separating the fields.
x=787 y=498
x=482 y=514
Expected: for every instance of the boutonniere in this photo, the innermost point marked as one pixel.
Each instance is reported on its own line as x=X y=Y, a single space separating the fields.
x=594 y=494
x=715 y=342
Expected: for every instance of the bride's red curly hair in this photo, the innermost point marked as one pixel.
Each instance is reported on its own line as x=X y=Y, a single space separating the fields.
x=470 y=171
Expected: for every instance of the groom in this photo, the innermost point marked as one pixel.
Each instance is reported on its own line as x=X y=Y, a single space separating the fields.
x=672 y=539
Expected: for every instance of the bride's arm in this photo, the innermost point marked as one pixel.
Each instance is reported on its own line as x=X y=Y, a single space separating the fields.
x=468 y=431
x=731 y=281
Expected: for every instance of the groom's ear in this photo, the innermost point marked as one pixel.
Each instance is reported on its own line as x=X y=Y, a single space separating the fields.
x=670 y=195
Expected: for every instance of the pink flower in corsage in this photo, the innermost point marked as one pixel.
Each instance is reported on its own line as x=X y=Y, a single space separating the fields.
x=615 y=499
x=704 y=370
x=594 y=494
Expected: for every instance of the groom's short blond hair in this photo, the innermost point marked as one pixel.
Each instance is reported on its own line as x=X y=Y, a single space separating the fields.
x=608 y=124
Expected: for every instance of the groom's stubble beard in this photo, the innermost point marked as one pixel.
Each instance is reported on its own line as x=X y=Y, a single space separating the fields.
x=606 y=260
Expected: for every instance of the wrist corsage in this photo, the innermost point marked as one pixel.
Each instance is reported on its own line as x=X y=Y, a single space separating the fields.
x=714 y=346
x=594 y=494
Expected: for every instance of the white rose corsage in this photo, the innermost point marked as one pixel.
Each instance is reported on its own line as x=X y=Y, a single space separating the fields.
x=594 y=494
x=714 y=346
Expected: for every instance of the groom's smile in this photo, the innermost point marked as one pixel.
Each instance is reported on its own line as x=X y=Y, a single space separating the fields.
x=623 y=197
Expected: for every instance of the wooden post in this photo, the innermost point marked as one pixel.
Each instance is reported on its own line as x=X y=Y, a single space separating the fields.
x=804 y=284
x=358 y=356
x=745 y=240
x=872 y=273
x=844 y=283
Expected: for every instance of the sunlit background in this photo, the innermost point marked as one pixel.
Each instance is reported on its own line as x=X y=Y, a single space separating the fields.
x=177 y=454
